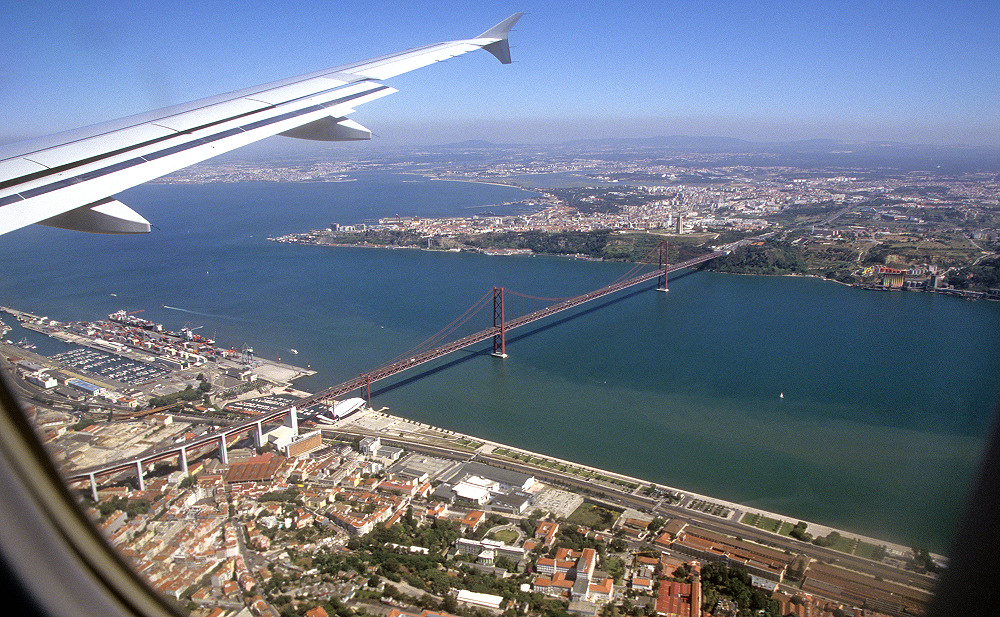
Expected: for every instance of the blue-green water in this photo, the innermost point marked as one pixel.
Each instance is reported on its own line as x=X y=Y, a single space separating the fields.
x=887 y=396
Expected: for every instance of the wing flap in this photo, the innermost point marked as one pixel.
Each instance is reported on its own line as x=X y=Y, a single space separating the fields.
x=282 y=94
x=330 y=129
x=108 y=216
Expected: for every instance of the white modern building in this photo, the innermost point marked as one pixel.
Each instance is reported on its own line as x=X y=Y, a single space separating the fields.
x=344 y=408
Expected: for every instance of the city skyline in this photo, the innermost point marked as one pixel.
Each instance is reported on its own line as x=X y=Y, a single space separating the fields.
x=783 y=71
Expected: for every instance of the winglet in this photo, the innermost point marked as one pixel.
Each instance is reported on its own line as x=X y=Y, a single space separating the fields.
x=500 y=48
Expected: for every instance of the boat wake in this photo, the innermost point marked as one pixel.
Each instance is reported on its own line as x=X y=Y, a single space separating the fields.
x=183 y=310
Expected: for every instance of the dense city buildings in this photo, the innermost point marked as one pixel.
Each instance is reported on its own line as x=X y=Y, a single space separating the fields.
x=824 y=212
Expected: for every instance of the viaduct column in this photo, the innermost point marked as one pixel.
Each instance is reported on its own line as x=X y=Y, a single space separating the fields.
x=184 y=460
x=223 y=454
x=138 y=468
x=93 y=487
x=258 y=435
x=661 y=283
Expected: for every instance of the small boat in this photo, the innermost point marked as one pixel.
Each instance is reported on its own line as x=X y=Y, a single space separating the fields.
x=782 y=395
x=294 y=351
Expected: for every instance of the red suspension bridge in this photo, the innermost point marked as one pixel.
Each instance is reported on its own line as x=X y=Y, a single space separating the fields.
x=429 y=350
x=498 y=332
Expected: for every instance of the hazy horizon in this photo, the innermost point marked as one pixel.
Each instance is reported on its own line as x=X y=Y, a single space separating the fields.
x=909 y=72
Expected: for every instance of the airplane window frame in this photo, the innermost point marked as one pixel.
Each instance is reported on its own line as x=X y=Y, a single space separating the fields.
x=56 y=561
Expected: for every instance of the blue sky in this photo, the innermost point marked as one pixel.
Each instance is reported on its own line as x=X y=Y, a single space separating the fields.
x=771 y=70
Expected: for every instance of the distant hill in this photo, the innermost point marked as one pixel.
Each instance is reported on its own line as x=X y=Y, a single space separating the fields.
x=473 y=143
x=673 y=142
x=813 y=153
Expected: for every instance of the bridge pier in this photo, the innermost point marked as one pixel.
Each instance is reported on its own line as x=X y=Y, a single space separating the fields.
x=499 y=325
x=223 y=454
x=93 y=487
x=258 y=435
x=661 y=283
x=293 y=419
x=184 y=460
x=138 y=467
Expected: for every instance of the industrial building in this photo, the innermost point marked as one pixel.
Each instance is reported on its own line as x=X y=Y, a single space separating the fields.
x=304 y=444
x=482 y=548
x=507 y=479
x=84 y=386
x=373 y=447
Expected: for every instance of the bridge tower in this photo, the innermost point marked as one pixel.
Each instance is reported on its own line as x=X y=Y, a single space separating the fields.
x=661 y=282
x=499 y=325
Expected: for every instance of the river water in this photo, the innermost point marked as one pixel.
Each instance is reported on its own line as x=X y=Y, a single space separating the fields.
x=888 y=397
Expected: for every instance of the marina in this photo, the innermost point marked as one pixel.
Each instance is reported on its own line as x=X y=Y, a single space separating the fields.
x=147 y=342
x=129 y=360
x=113 y=367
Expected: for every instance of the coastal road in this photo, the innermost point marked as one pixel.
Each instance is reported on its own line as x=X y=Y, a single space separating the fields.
x=623 y=498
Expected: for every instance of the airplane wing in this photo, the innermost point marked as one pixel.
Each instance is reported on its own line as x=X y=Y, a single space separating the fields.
x=67 y=180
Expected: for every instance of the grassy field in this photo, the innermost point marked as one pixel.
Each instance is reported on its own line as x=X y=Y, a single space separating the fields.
x=843 y=544
x=941 y=249
x=592 y=515
x=468 y=443
x=507 y=536
x=765 y=523
x=633 y=246
x=562 y=467
x=869 y=551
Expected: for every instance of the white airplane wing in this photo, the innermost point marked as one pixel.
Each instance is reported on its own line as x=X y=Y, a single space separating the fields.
x=67 y=180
